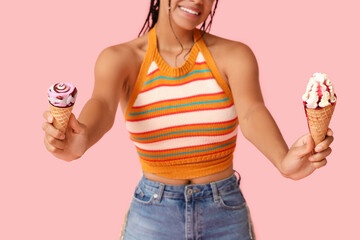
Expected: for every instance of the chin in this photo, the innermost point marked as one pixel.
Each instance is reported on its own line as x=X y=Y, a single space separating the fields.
x=187 y=25
x=185 y=21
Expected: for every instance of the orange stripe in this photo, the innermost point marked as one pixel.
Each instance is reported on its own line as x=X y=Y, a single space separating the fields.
x=202 y=155
x=178 y=150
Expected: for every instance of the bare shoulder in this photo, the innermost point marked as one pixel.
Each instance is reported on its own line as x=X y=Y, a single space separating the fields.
x=231 y=55
x=116 y=70
x=238 y=64
x=124 y=58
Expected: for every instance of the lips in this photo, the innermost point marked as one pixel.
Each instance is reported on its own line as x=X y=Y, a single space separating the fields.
x=190 y=10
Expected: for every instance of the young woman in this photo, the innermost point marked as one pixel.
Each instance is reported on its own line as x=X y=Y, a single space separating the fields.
x=183 y=93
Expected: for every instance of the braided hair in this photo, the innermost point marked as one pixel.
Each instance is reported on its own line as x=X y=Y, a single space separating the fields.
x=153 y=16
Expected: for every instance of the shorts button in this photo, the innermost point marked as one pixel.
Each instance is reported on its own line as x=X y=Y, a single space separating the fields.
x=155 y=195
x=189 y=191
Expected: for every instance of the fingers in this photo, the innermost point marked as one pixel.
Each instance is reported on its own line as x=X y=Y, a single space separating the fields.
x=53 y=145
x=326 y=143
x=330 y=132
x=303 y=146
x=49 y=129
x=74 y=124
x=48 y=117
x=309 y=145
x=318 y=160
x=317 y=157
x=59 y=144
x=319 y=164
x=54 y=139
x=322 y=150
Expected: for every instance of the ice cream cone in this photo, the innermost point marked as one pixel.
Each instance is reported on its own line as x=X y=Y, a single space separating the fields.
x=61 y=117
x=62 y=98
x=318 y=121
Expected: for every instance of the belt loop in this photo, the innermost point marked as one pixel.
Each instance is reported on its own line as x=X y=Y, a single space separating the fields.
x=215 y=192
x=161 y=192
x=239 y=177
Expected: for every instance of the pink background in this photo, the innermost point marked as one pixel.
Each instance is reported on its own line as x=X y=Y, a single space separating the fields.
x=44 y=42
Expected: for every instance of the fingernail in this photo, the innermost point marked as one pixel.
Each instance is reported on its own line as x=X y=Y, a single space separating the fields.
x=318 y=149
x=50 y=119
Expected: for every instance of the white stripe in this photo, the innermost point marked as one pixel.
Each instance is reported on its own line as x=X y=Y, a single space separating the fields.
x=152 y=67
x=205 y=116
x=173 y=92
x=185 y=142
x=200 y=58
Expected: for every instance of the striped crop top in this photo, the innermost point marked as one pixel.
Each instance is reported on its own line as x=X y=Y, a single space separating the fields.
x=182 y=120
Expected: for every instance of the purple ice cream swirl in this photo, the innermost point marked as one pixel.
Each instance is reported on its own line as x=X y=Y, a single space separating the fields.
x=62 y=95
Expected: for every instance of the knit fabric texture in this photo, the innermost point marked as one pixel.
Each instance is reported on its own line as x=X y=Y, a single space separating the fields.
x=182 y=120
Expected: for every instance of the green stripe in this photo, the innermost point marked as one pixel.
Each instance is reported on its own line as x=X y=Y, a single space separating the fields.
x=175 y=78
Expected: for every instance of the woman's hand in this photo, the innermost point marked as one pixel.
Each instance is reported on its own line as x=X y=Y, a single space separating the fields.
x=69 y=146
x=301 y=160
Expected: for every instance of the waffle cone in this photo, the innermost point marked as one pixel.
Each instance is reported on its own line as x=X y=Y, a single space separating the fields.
x=61 y=117
x=318 y=121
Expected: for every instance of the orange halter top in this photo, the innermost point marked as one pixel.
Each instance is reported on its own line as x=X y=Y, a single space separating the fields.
x=182 y=120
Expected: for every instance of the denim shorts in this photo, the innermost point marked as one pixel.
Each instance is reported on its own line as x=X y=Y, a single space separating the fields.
x=212 y=211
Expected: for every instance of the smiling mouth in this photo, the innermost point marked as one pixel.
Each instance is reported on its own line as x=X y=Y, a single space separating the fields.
x=189 y=11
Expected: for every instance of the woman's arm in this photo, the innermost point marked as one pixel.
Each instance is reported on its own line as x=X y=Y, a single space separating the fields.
x=256 y=122
x=97 y=116
x=111 y=72
x=259 y=127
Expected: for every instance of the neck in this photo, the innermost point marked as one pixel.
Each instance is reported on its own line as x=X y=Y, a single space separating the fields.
x=168 y=37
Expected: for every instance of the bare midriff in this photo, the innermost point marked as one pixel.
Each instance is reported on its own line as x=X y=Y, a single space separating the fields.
x=200 y=180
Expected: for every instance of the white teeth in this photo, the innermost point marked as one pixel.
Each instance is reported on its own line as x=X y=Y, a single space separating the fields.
x=189 y=11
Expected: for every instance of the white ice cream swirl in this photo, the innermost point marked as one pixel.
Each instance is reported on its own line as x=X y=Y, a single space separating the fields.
x=319 y=92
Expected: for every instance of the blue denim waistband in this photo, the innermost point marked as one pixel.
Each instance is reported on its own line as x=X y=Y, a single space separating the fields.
x=190 y=190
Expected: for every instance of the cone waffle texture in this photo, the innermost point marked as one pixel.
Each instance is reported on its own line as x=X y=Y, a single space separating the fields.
x=62 y=116
x=318 y=121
